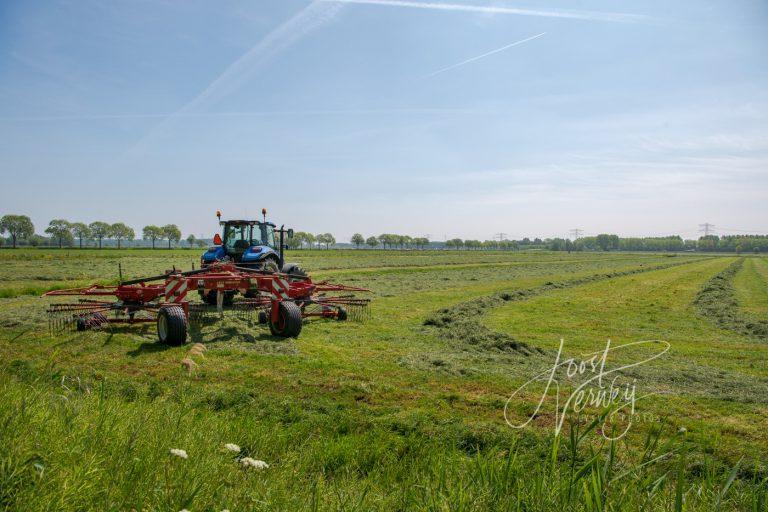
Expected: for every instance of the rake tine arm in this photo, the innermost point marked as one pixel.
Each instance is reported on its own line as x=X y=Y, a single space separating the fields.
x=325 y=286
x=94 y=289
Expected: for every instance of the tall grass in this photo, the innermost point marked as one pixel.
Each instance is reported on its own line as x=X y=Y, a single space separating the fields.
x=71 y=445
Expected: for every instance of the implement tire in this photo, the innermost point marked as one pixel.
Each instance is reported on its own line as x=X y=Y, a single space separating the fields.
x=172 y=325
x=288 y=324
x=295 y=272
x=270 y=265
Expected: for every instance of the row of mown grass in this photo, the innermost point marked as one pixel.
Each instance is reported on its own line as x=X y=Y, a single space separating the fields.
x=717 y=302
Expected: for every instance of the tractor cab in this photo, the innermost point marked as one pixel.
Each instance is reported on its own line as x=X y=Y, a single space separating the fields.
x=241 y=236
x=249 y=243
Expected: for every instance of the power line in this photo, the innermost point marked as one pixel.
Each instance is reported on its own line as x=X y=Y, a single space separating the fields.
x=500 y=236
x=706 y=228
x=576 y=233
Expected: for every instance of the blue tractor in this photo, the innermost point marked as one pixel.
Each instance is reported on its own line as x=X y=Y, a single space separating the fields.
x=254 y=244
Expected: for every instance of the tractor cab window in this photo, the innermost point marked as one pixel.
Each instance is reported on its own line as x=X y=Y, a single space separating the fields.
x=264 y=234
x=237 y=238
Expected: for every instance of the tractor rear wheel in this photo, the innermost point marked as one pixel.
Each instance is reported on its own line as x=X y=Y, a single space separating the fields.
x=172 y=325
x=288 y=323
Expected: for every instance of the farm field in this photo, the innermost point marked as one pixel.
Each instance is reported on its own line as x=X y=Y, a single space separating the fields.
x=404 y=411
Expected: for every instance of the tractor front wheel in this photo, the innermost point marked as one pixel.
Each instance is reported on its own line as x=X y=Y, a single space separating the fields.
x=172 y=325
x=288 y=323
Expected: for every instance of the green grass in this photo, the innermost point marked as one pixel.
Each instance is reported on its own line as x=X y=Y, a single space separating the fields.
x=751 y=284
x=709 y=372
x=382 y=415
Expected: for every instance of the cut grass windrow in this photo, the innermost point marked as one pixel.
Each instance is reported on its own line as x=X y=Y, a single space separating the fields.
x=716 y=301
x=462 y=323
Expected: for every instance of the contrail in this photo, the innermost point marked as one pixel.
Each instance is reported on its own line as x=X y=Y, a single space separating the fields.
x=251 y=113
x=310 y=18
x=497 y=50
x=551 y=13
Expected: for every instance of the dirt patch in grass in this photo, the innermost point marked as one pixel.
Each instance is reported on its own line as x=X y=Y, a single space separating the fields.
x=716 y=301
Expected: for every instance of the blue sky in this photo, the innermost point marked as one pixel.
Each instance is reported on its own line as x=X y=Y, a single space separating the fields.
x=388 y=116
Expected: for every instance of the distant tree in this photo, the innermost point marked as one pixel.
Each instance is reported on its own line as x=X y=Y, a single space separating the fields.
x=357 y=239
x=326 y=239
x=59 y=229
x=120 y=232
x=708 y=243
x=2 y=241
x=372 y=241
x=607 y=242
x=81 y=231
x=18 y=226
x=202 y=243
x=152 y=233
x=37 y=240
x=309 y=238
x=456 y=243
x=100 y=231
x=294 y=242
x=301 y=237
x=172 y=233
x=191 y=239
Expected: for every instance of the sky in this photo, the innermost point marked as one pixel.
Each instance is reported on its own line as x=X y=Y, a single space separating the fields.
x=425 y=117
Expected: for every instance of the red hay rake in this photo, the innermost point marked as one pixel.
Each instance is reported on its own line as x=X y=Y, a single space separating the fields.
x=282 y=301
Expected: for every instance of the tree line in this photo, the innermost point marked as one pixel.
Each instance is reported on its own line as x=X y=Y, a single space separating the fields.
x=303 y=239
x=64 y=233
x=390 y=241
x=711 y=243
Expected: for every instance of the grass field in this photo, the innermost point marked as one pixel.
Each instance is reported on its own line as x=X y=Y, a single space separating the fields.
x=402 y=412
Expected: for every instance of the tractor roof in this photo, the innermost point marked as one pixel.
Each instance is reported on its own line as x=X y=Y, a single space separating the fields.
x=245 y=222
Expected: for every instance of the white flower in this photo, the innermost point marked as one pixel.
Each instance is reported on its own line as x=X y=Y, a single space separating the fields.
x=183 y=510
x=231 y=447
x=179 y=453
x=248 y=462
x=682 y=430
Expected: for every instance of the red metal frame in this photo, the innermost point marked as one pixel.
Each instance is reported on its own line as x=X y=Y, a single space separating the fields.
x=221 y=277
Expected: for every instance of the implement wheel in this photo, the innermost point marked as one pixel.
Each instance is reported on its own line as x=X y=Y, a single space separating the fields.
x=295 y=272
x=172 y=325
x=288 y=323
x=270 y=265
